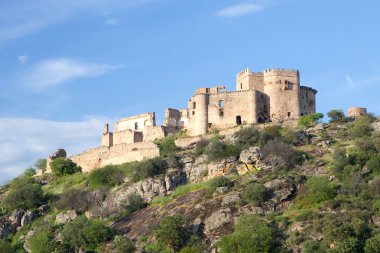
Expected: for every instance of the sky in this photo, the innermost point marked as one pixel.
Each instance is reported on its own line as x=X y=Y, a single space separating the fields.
x=68 y=67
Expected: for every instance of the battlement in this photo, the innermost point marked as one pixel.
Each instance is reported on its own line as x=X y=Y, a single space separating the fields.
x=245 y=72
x=309 y=89
x=281 y=72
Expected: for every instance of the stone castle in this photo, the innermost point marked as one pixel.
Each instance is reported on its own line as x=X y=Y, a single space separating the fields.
x=273 y=95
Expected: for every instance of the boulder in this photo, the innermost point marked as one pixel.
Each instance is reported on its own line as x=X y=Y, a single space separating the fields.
x=217 y=220
x=252 y=155
x=62 y=218
x=59 y=153
x=27 y=218
x=15 y=218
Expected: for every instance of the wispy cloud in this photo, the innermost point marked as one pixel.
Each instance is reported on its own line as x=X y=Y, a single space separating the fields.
x=54 y=72
x=241 y=9
x=19 y=20
x=23 y=58
x=112 y=21
x=350 y=81
x=27 y=140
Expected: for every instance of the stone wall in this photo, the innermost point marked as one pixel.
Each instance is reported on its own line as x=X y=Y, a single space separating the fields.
x=123 y=153
x=307 y=98
x=152 y=133
x=126 y=136
x=356 y=111
x=136 y=123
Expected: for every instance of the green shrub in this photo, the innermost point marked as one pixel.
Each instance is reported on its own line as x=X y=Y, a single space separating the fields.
x=361 y=127
x=107 y=177
x=373 y=165
x=256 y=194
x=167 y=146
x=221 y=181
x=318 y=190
x=63 y=166
x=339 y=161
x=219 y=150
x=85 y=233
x=372 y=245
x=348 y=245
x=25 y=194
x=41 y=164
x=123 y=244
x=77 y=199
x=42 y=242
x=6 y=247
x=280 y=154
x=310 y=120
x=336 y=116
x=171 y=232
x=147 y=169
x=247 y=136
x=269 y=133
x=134 y=203
x=251 y=235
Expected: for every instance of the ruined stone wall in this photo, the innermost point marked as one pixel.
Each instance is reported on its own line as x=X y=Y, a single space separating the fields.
x=123 y=153
x=107 y=140
x=198 y=105
x=307 y=100
x=152 y=133
x=126 y=136
x=357 y=111
x=136 y=123
x=282 y=87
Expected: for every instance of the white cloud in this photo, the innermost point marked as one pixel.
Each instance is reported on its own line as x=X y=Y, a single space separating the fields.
x=350 y=81
x=112 y=21
x=23 y=58
x=53 y=72
x=24 y=140
x=241 y=9
x=19 y=20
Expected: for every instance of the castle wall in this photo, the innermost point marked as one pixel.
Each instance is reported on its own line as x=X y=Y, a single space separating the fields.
x=152 y=133
x=123 y=153
x=136 y=123
x=282 y=88
x=107 y=140
x=199 y=114
x=307 y=100
x=248 y=80
x=126 y=136
x=357 y=111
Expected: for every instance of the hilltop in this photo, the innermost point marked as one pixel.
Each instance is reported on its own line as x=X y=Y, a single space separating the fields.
x=300 y=186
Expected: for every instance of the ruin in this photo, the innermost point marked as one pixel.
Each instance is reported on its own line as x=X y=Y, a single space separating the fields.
x=357 y=111
x=274 y=95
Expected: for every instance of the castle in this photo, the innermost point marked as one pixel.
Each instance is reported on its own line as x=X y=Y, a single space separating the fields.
x=269 y=96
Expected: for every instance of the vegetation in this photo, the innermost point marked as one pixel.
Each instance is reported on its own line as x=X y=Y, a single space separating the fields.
x=171 y=232
x=106 y=177
x=167 y=146
x=310 y=120
x=256 y=194
x=146 y=169
x=336 y=116
x=251 y=235
x=63 y=166
x=41 y=164
x=219 y=150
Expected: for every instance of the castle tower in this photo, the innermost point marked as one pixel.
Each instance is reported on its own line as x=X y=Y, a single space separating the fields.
x=283 y=88
x=199 y=113
x=248 y=80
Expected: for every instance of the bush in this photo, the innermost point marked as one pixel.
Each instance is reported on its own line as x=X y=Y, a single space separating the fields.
x=63 y=166
x=336 y=116
x=134 y=203
x=269 y=133
x=219 y=150
x=373 y=165
x=87 y=234
x=310 y=120
x=167 y=146
x=79 y=200
x=256 y=194
x=247 y=136
x=311 y=246
x=319 y=189
x=348 y=245
x=251 y=235
x=42 y=242
x=339 y=161
x=25 y=194
x=6 y=247
x=107 y=177
x=123 y=244
x=171 y=232
x=361 y=127
x=41 y=164
x=221 y=181
x=280 y=154
x=147 y=169
x=372 y=245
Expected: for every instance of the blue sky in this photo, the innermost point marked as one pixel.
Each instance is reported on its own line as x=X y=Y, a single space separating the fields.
x=67 y=67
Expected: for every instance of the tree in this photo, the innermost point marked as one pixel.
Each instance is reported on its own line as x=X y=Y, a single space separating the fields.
x=251 y=235
x=107 y=177
x=310 y=120
x=123 y=244
x=171 y=232
x=372 y=245
x=63 y=166
x=336 y=116
x=256 y=194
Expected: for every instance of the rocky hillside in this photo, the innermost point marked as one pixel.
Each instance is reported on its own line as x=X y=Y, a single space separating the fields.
x=313 y=187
